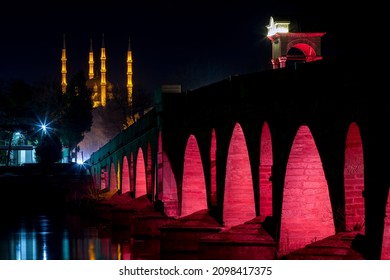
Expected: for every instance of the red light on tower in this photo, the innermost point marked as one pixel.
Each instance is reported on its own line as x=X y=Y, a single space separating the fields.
x=284 y=42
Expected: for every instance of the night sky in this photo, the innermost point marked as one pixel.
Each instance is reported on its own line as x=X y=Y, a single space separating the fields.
x=192 y=43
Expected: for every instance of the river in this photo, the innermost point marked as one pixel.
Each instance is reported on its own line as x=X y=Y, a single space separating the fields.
x=70 y=237
x=35 y=223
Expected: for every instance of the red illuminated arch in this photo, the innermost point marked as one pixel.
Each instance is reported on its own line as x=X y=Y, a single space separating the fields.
x=193 y=188
x=354 y=180
x=265 y=172
x=140 y=175
x=103 y=179
x=113 y=178
x=169 y=186
x=386 y=234
x=306 y=51
x=96 y=177
x=306 y=210
x=125 y=176
x=238 y=204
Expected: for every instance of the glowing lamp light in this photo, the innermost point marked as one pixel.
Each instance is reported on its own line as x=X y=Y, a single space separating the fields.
x=44 y=128
x=277 y=27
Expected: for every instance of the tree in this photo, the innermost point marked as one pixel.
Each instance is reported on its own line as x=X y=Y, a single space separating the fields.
x=76 y=112
x=49 y=149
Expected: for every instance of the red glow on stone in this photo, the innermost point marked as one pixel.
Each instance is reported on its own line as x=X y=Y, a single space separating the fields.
x=354 y=180
x=194 y=187
x=265 y=172
x=113 y=178
x=306 y=210
x=125 y=176
x=140 y=175
x=169 y=191
x=213 y=161
x=103 y=179
x=308 y=51
x=125 y=252
x=386 y=234
x=238 y=204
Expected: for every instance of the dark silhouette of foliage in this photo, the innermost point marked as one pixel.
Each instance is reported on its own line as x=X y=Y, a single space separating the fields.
x=76 y=113
x=49 y=149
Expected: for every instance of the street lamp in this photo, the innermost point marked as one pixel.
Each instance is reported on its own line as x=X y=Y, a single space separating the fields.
x=44 y=128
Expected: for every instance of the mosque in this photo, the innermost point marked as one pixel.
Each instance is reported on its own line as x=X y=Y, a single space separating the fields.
x=101 y=88
x=102 y=92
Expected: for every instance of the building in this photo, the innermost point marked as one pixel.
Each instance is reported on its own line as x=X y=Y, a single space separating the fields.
x=102 y=92
x=290 y=48
x=101 y=87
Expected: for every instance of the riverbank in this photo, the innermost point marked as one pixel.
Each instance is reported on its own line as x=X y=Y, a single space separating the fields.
x=44 y=188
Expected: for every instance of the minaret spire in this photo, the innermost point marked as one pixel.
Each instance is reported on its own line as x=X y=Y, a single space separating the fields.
x=91 y=73
x=63 y=67
x=129 y=76
x=103 y=82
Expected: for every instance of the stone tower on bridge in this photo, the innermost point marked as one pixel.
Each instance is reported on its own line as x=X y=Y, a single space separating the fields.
x=292 y=47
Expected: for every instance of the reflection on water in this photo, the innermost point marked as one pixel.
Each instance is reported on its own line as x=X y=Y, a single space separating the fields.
x=70 y=238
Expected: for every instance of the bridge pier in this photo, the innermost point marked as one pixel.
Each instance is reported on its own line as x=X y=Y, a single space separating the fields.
x=180 y=238
x=241 y=242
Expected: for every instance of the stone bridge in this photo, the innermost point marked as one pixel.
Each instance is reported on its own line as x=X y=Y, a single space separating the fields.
x=305 y=149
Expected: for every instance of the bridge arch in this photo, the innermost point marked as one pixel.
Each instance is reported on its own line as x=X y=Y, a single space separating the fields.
x=354 y=180
x=385 y=255
x=307 y=214
x=125 y=175
x=113 y=177
x=140 y=174
x=238 y=202
x=305 y=46
x=104 y=177
x=193 y=191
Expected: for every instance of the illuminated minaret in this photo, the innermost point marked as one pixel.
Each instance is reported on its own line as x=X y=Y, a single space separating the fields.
x=63 y=67
x=103 y=82
x=129 y=76
x=91 y=74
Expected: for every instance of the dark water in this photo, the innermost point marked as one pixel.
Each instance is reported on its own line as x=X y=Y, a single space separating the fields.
x=40 y=219
x=70 y=237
